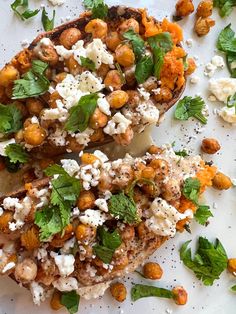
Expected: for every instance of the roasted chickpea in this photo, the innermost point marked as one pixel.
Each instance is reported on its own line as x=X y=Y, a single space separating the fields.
x=118 y=291
x=113 y=80
x=171 y=190
x=73 y=66
x=120 y=262
x=97 y=27
x=148 y=173
x=191 y=66
x=128 y=233
x=130 y=76
x=184 y=8
x=124 y=176
x=203 y=26
x=34 y=134
x=152 y=271
x=85 y=233
x=30 y=239
x=232 y=266
x=134 y=98
x=150 y=83
x=60 y=238
x=142 y=230
x=210 y=146
x=97 y=136
x=103 y=70
x=47 y=53
x=34 y=106
x=8 y=74
x=5 y=218
x=153 y=149
x=117 y=99
x=26 y=271
x=129 y=24
x=105 y=182
x=124 y=139
x=58 y=78
x=125 y=55
x=55 y=302
x=221 y=181
x=73 y=145
x=69 y=37
x=52 y=101
x=98 y=119
x=205 y=8
x=161 y=169
x=22 y=108
x=86 y=200
x=113 y=40
x=164 y=94
x=180 y=295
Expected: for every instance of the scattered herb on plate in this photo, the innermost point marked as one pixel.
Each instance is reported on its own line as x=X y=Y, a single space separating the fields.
x=225 y=6
x=231 y=102
x=71 y=301
x=20 y=7
x=98 y=7
x=233 y=288
x=143 y=291
x=48 y=24
x=202 y=214
x=182 y=153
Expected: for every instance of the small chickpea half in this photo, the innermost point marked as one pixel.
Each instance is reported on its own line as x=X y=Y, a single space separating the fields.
x=205 y=8
x=86 y=200
x=117 y=99
x=221 y=181
x=118 y=291
x=125 y=55
x=55 y=302
x=180 y=295
x=113 y=40
x=152 y=271
x=34 y=134
x=191 y=66
x=210 y=145
x=129 y=24
x=69 y=37
x=97 y=27
x=184 y=8
x=98 y=119
x=113 y=79
x=125 y=138
x=203 y=25
x=34 y=106
x=26 y=271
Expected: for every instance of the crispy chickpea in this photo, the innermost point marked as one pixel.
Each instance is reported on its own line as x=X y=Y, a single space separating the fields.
x=74 y=67
x=124 y=139
x=55 y=302
x=148 y=173
x=69 y=37
x=97 y=27
x=205 y=8
x=161 y=169
x=153 y=149
x=58 y=78
x=113 y=40
x=34 y=106
x=113 y=79
x=118 y=291
x=232 y=266
x=163 y=95
x=98 y=119
x=129 y=24
x=53 y=99
x=34 y=134
x=5 y=218
x=86 y=200
x=103 y=70
x=60 y=238
x=97 y=136
x=84 y=233
x=210 y=145
x=128 y=233
x=184 y=8
x=8 y=74
x=171 y=190
x=134 y=98
x=26 y=270
x=121 y=262
x=180 y=295
x=47 y=53
x=150 y=83
x=152 y=271
x=105 y=182
x=130 y=76
x=73 y=145
x=191 y=66
x=221 y=181
x=88 y=158
x=125 y=55
x=142 y=230
x=117 y=99
x=203 y=26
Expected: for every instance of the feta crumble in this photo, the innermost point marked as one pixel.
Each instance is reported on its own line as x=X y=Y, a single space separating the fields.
x=38 y=292
x=93 y=292
x=83 y=138
x=117 y=125
x=65 y=263
x=93 y=218
x=222 y=88
x=228 y=114
x=71 y=166
x=96 y=51
x=65 y=284
x=101 y=203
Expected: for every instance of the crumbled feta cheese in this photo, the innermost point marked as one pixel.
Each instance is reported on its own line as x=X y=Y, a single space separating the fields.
x=42 y=254
x=1 y=211
x=218 y=61
x=38 y=292
x=189 y=42
x=83 y=138
x=101 y=203
x=45 y=41
x=57 y=2
x=70 y=166
x=65 y=284
x=96 y=51
x=93 y=218
x=93 y=292
x=194 y=79
x=79 y=51
x=34 y=120
x=148 y=112
x=142 y=91
x=59 y=113
x=104 y=106
x=209 y=69
x=8 y=267
x=222 y=88
x=4 y=144
x=212 y=98
x=89 y=83
x=103 y=157
x=90 y=175
x=63 y=52
x=228 y=114
x=65 y=263
x=68 y=245
x=117 y=125
x=58 y=137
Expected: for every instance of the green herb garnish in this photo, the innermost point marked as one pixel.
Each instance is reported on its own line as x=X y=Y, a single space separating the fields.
x=10 y=119
x=20 y=7
x=98 y=7
x=143 y=291
x=71 y=301
x=143 y=69
x=202 y=214
x=231 y=102
x=87 y=63
x=48 y=24
x=182 y=153
x=225 y=6
x=233 y=288
x=16 y=154
x=137 y=42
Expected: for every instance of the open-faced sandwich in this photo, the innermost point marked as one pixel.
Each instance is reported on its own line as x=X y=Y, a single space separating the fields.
x=91 y=81
x=85 y=224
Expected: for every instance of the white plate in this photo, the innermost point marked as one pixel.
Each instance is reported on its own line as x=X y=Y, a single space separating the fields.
x=206 y=300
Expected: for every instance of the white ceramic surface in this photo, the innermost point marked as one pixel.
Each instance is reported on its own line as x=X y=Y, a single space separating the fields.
x=202 y=300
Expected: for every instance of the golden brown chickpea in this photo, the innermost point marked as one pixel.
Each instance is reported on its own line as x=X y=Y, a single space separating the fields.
x=34 y=134
x=221 y=181
x=113 y=79
x=69 y=37
x=74 y=67
x=103 y=70
x=205 y=8
x=191 y=66
x=26 y=271
x=129 y=24
x=152 y=271
x=85 y=233
x=148 y=173
x=210 y=145
x=73 y=145
x=97 y=136
x=232 y=266
x=98 y=119
x=113 y=40
x=97 y=27
x=153 y=149
x=142 y=230
x=180 y=295
x=47 y=53
x=171 y=190
x=118 y=291
x=55 y=302
x=134 y=98
x=125 y=55
x=161 y=167
x=60 y=238
x=124 y=139
x=184 y=8
x=203 y=26
x=22 y=107
x=130 y=76
x=124 y=175
x=128 y=233
x=164 y=95
x=58 y=78
x=5 y=218
x=121 y=262
x=117 y=99
x=34 y=106
x=52 y=101
x=8 y=74
x=86 y=200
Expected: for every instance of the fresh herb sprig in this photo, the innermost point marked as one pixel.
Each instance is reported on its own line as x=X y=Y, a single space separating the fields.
x=231 y=102
x=20 y=7
x=10 y=119
x=48 y=24
x=225 y=6
x=98 y=7
x=143 y=291
x=71 y=301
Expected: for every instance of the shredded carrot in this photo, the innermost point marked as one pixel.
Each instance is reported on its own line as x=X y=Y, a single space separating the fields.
x=181 y=223
x=174 y=29
x=205 y=176
x=186 y=204
x=152 y=28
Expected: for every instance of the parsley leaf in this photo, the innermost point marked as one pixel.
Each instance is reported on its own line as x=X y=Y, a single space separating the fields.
x=231 y=102
x=103 y=252
x=142 y=291
x=209 y=261
x=191 y=189
x=10 y=118
x=226 y=41
x=202 y=214
x=87 y=63
x=182 y=153
x=24 y=13
x=231 y=63
x=225 y=6
x=190 y=107
x=137 y=42
x=16 y=153
x=98 y=7
x=48 y=24
x=79 y=114
x=71 y=301
x=33 y=83
x=143 y=69
x=124 y=208
x=233 y=288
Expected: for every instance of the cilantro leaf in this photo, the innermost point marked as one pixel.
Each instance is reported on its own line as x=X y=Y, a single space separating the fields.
x=123 y=207
x=226 y=41
x=191 y=189
x=33 y=83
x=143 y=69
x=48 y=24
x=231 y=102
x=233 y=288
x=209 y=261
x=24 y=12
x=71 y=301
x=103 y=252
x=98 y=7
x=10 y=118
x=231 y=63
x=55 y=169
x=202 y=214
x=79 y=114
x=137 y=42
x=87 y=63
x=182 y=153
x=190 y=107
x=225 y=6
x=16 y=153
x=142 y=291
